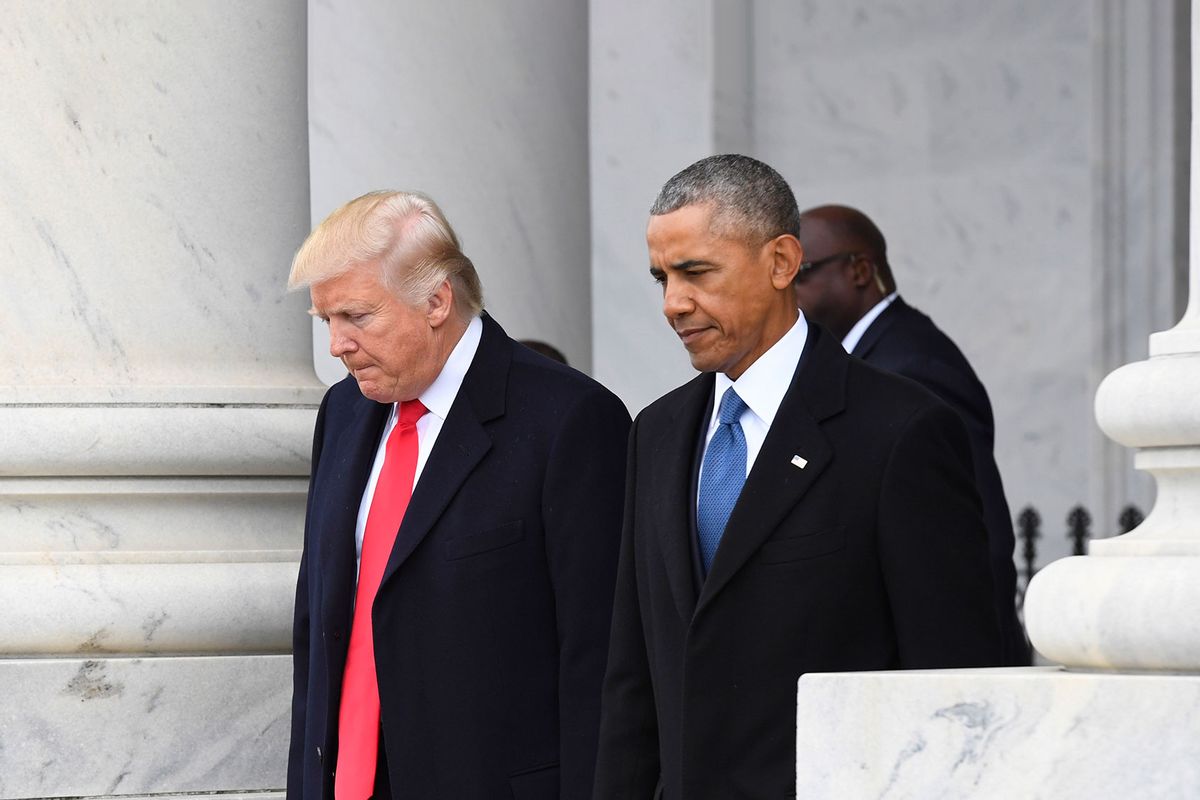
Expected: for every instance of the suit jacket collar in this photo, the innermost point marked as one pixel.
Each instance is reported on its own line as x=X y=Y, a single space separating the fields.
x=461 y=444
x=776 y=482
x=886 y=319
x=349 y=461
x=673 y=465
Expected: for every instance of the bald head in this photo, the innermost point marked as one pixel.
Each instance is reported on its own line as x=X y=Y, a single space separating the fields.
x=846 y=271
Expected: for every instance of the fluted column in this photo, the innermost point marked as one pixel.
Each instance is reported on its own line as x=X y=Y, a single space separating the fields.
x=1132 y=602
x=156 y=393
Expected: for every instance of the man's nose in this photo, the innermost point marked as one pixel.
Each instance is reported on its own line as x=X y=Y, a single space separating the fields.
x=676 y=300
x=339 y=343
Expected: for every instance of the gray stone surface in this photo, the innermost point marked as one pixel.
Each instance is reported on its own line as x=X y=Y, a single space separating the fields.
x=1033 y=733
x=115 y=726
x=483 y=106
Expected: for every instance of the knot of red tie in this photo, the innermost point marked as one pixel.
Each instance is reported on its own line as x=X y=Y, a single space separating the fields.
x=410 y=411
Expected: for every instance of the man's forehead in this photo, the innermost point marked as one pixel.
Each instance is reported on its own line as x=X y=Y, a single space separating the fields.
x=355 y=286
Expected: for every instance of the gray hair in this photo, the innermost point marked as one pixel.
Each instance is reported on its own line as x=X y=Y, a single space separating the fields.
x=749 y=199
x=406 y=233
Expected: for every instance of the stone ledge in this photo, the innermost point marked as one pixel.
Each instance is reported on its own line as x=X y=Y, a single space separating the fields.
x=999 y=733
x=156 y=726
x=132 y=608
x=38 y=441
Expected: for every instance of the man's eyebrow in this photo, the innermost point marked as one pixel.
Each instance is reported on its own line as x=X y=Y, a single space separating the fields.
x=693 y=262
x=344 y=308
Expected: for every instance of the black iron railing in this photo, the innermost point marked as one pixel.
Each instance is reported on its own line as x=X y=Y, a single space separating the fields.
x=1079 y=530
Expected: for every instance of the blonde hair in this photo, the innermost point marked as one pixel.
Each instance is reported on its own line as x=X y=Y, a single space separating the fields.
x=406 y=233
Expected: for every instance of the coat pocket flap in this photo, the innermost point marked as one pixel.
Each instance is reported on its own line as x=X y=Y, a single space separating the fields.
x=536 y=784
x=485 y=541
x=796 y=548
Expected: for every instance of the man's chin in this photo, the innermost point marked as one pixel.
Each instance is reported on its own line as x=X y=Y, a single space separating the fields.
x=372 y=391
x=702 y=362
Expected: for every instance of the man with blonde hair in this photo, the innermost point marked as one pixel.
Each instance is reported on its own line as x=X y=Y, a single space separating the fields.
x=463 y=519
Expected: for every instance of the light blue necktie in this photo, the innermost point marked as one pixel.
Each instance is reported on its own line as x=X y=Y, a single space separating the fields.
x=722 y=476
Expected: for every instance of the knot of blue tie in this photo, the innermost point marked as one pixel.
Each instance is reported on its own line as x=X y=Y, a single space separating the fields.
x=721 y=476
x=731 y=409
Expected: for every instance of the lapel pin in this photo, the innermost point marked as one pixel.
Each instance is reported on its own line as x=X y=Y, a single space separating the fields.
x=797 y=461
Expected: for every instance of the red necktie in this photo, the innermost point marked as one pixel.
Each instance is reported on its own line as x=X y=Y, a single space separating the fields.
x=358 y=715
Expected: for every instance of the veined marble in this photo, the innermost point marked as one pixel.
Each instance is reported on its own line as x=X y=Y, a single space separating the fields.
x=115 y=726
x=147 y=604
x=156 y=394
x=1002 y=734
x=153 y=159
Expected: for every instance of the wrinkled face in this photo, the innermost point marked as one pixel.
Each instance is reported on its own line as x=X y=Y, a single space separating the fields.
x=828 y=294
x=388 y=346
x=721 y=296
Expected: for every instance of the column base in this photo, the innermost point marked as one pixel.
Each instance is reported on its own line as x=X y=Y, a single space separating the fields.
x=998 y=733
x=77 y=727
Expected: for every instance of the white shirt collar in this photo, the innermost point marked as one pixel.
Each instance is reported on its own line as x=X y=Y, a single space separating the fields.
x=860 y=327
x=441 y=393
x=765 y=382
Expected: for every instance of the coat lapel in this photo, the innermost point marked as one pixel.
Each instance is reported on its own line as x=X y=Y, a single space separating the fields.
x=775 y=485
x=672 y=470
x=876 y=329
x=461 y=444
x=344 y=473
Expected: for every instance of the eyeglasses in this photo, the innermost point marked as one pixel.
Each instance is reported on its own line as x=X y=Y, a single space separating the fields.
x=811 y=266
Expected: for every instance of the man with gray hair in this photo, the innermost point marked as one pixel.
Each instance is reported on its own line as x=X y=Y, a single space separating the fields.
x=789 y=510
x=454 y=595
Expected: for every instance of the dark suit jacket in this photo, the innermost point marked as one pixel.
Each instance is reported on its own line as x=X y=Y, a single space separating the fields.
x=905 y=341
x=491 y=622
x=872 y=556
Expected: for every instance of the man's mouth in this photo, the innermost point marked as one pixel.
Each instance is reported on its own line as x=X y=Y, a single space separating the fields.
x=689 y=335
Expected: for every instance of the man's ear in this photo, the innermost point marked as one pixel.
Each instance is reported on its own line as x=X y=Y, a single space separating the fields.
x=786 y=253
x=862 y=271
x=440 y=304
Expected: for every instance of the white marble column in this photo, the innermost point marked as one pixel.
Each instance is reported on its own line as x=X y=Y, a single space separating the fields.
x=156 y=393
x=670 y=84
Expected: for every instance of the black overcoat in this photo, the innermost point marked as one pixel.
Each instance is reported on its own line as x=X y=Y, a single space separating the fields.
x=492 y=618
x=867 y=552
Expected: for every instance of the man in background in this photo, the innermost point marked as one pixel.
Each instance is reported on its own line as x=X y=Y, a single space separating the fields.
x=460 y=545
x=846 y=285
x=789 y=510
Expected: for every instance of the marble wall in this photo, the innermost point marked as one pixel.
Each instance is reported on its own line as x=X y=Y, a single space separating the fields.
x=483 y=107
x=963 y=129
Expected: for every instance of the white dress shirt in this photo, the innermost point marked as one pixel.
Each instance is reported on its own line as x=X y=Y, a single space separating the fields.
x=860 y=327
x=762 y=387
x=437 y=398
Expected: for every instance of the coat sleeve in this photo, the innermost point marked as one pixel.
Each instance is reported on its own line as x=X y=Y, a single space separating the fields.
x=966 y=395
x=933 y=547
x=582 y=513
x=627 y=765
x=300 y=633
